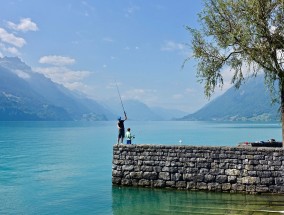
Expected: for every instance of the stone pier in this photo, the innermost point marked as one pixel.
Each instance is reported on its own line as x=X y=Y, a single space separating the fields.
x=221 y=169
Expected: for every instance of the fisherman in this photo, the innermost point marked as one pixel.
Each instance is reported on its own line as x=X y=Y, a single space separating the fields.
x=121 y=130
x=128 y=136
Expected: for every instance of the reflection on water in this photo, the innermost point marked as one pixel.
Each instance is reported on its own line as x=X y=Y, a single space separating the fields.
x=129 y=200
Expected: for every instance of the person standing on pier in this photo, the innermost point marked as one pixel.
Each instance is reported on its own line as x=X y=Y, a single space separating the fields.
x=121 y=130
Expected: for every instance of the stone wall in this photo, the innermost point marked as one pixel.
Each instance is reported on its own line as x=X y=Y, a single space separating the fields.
x=222 y=169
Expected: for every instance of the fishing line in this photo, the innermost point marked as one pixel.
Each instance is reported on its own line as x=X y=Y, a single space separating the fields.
x=120 y=97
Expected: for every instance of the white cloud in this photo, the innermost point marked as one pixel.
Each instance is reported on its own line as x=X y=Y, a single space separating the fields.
x=26 y=24
x=11 y=38
x=131 y=10
x=13 y=50
x=108 y=39
x=56 y=60
x=10 y=50
x=145 y=95
x=127 y=48
x=22 y=74
x=88 y=8
x=70 y=79
x=172 y=46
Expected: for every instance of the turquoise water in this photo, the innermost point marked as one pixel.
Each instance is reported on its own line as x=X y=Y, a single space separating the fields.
x=65 y=168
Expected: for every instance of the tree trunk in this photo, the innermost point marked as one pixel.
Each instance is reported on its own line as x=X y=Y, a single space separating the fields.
x=282 y=110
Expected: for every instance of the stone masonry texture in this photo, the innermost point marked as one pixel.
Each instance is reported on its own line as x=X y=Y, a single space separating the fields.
x=221 y=169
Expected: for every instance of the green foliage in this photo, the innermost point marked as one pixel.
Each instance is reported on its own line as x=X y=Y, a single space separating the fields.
x=243 y=35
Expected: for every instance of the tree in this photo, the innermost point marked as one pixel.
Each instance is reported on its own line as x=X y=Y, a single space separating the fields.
x=243 y=35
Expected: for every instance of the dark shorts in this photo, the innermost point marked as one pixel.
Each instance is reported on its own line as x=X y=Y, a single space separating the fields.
x=121 y=133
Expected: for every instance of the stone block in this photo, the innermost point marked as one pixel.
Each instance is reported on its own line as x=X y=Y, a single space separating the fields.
x=170 y=184
x=126 y=182
x=159 y=183
x=189 y=177
x=118 y=162
x=209 y=178
x=164 y=176
x=127 y=167
x=250 y=180
x=252 y=173
x=232 y=172
x=232 y=179
x=214 y=186
x=176 y=177
x=116 y=180
x=264 y=174
x=157 y=169
x=144 y=182
x=238 y=187
x=181 y=184
x=150 y=175
x=146 y=168
x=116 y=173
x=248 y=167
x=274 y=163
x=217 y=171
x=191 y=185
x=279 y=181
x=137 y=175
x=201 y=186
x=221 y=179
x=226 y=187
x=261 y=189
x=259 y=157
x=250 y=189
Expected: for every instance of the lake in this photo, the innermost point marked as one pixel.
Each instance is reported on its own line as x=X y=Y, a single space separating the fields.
x=65 y=168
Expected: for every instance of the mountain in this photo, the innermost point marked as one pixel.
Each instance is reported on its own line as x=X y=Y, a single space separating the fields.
x=252 y=101
x=26 y=95
x=168 y=114
x=135 y=110
x=139 y=111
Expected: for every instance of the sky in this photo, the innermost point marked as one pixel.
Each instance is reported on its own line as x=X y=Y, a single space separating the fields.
x=90 y=46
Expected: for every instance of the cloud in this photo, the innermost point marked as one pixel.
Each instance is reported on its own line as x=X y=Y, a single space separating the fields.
x=127 y=48
x=26 y=24
x=11 y=50
x=22 y=74
x=71 y=79
x=88 y=8
x=172 y=46
x=108 y=39
x=145 y=95
x=131 y=10
x=11 y=38
x=56 y=60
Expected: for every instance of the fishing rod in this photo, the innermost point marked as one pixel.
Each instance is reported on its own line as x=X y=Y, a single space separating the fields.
x=120 y=98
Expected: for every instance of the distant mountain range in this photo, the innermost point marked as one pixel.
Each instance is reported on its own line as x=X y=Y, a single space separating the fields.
x=27 y=95
x=139 y=111
x=251 y=102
